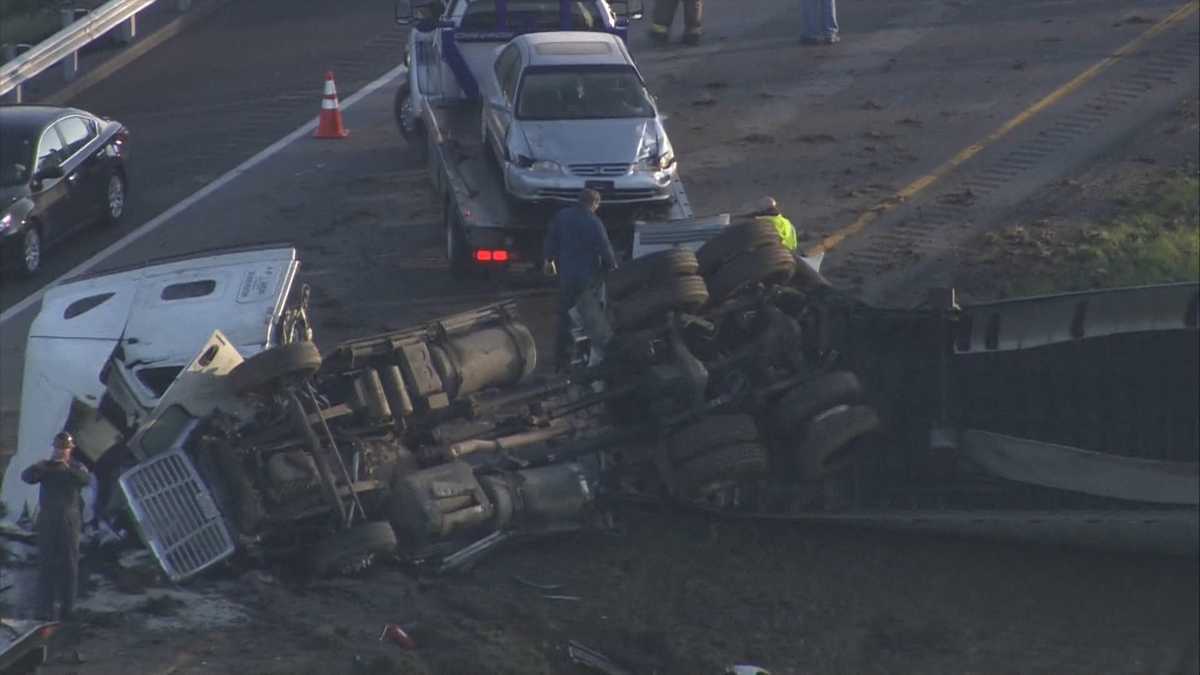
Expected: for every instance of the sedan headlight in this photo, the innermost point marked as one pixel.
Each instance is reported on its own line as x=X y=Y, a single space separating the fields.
x=666 y=160
x=6 y=221
x=544 y=166
x=657 y=162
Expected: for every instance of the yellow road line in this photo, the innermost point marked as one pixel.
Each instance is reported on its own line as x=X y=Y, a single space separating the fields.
x=912 y=189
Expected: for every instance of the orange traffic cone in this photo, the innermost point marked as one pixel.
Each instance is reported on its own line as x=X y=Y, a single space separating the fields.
x=330 y=124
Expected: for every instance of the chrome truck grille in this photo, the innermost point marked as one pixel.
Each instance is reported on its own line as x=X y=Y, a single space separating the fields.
x=600 y=169
x=177 y=516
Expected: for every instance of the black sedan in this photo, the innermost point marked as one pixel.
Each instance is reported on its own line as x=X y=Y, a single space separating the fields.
x=60 y=169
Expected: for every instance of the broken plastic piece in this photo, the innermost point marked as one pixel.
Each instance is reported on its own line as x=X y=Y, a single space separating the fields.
x=593 y=659
x=746 y=670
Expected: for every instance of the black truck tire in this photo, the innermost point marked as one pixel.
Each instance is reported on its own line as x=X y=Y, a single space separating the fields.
x=733 y=241
x=675 y=262
x=353 y=548
x=686 y=293
x=733 y=462
x=292 y=360
x=768 y=264
x=793 y=411
x=709 y=432
x=828 y=441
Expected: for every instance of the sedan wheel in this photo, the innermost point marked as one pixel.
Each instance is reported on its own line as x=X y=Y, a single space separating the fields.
x=116 y=199
x=31 y=251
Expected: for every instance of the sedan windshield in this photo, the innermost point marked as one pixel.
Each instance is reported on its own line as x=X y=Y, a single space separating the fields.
x=578 y=94
x=16 y=157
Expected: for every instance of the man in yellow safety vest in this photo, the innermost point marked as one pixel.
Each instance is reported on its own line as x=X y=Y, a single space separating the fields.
x=767 y=210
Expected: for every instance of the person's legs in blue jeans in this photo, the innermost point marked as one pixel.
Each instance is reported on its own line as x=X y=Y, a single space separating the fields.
x=810 y=20
x=829 y=22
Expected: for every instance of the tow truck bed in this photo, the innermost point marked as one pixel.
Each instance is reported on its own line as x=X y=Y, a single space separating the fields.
x=477 y=210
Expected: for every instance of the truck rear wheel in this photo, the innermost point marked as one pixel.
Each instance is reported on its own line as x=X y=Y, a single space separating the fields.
x=734 y=241
x=828 y=442
x=354 y=549
x=686 y=293
x=722 y=465
x=627 y=278
x=770 y=264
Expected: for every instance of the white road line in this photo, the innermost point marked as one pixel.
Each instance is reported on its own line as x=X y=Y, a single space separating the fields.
x=162 y=218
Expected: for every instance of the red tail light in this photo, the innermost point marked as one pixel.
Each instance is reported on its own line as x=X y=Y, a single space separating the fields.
x=492 y=255
x=48 y=631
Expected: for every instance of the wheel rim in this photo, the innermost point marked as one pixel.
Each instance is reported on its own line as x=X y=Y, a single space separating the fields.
x=32 y=250
x=116 y=197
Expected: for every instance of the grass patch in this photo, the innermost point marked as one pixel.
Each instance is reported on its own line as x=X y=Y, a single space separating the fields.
x=1152 y=237
x=31 y=21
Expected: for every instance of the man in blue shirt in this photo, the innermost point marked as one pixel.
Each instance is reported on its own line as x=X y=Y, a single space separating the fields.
x=577 y=246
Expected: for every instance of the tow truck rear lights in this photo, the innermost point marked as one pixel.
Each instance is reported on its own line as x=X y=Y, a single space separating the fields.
x=492 y=255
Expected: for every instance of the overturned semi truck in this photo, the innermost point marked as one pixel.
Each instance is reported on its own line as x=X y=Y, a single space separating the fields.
x=732 y=379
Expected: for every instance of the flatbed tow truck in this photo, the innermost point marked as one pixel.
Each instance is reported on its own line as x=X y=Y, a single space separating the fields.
x=438 y=110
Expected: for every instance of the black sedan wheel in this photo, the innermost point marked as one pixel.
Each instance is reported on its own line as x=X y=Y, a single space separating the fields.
x=115 y=199
x=31 y=251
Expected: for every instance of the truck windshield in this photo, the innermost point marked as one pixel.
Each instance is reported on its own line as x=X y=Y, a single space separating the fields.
x=576 y=94
x=526 y=16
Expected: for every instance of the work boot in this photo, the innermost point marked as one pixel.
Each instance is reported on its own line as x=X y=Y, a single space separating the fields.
x=831 y=39
x=691 y=39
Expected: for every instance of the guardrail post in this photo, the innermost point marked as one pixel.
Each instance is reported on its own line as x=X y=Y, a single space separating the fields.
x=71 y=62
x=127 y=31
x=16 y=94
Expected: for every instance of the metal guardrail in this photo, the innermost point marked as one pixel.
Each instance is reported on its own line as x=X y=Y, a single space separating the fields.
x=63 y=46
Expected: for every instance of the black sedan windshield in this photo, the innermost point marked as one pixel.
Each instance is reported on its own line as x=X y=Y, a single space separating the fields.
x=16 y=157
x=576 y=94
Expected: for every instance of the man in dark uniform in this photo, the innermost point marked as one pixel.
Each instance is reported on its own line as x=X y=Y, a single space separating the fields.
x=664 y=14
x=60 y=516
x=577 y=246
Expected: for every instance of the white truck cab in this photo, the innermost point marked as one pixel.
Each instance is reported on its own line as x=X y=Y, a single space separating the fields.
x=104 y=349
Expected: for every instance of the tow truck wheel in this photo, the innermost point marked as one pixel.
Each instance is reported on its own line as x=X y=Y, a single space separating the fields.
x=456 y=247
x=770 y=264
x=686 y=293
x=354 y=549
x=828 y=445
x=294 y=360
x=627 y=278
x=732 y=242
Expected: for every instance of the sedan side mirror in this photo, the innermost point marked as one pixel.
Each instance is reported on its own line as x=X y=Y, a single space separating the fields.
x=49 y=170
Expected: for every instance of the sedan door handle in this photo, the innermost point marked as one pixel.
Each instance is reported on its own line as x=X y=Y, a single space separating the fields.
x=72 y=178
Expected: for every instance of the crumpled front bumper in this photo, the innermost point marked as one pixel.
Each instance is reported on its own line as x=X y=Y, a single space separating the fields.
x=631 y=188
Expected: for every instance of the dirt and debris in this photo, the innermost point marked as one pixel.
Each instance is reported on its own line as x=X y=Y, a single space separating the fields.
x=1132 y=219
